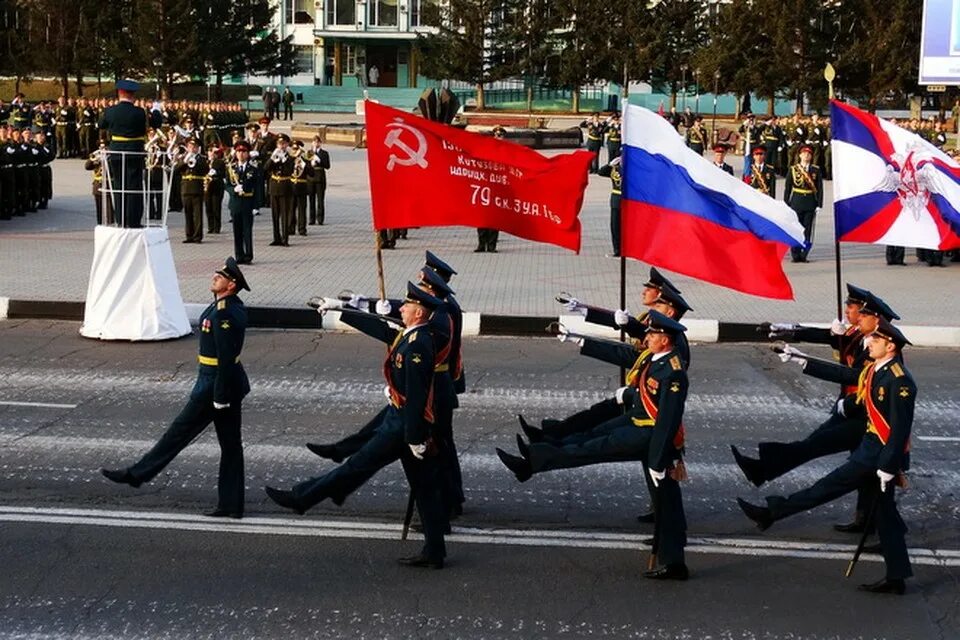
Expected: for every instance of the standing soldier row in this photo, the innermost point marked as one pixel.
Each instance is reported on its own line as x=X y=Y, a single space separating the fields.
x=26 y=178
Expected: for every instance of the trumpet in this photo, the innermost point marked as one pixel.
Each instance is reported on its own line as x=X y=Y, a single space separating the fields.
x=190 y=159
x=232 y=174
x=279 y=156
x=176 y=152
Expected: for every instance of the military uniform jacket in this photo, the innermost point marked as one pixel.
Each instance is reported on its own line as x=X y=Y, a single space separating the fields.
x=223 y=326
x=320 y=161
x=854 y=358
x=659 y=394
x=279 y=173
x=615 y=174
x=803 y=189
x=250 y=179
x=886 y=398
x=763 y=179
x=635 y=328
x=192 y=177
x=595 y=131
x=127 y=124
x=215 y=182
x=697 y=137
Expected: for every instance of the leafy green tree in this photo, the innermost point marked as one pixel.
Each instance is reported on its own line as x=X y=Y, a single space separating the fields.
x=674 y=32
x=586 y=44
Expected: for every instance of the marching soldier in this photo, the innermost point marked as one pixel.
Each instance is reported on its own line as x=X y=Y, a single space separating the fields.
x=697 y=135
x=300 y=186
x=406 y=431
x=319 y=160
x=719 y=157
x=595 y=130
x=243 y=178
x=612 y=170
x=213 y=188
x=614 y=137
x=885 y=401
x=651 y=431
x=216 y=397
x=192 y=168
x=803 y=192
x=761 y=176
x=279 y=168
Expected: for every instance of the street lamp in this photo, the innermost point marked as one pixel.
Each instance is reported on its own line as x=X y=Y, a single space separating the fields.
x=696 y=75
x=683 y=81
x=716 y=87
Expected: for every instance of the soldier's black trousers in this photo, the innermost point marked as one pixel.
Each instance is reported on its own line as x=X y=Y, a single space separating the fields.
x=848 y=477
x=126 y=175
x=582 y=420
x=193 y=216
x=213 y=203
x=243 y=234
x=836 y=435
x=806 y=219
x=593 y=146
x=317 y=193
x=190 y=423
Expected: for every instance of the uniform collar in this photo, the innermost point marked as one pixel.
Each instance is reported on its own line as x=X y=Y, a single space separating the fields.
x=414 y=327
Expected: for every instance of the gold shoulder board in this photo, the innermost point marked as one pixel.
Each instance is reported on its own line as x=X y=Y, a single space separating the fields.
x=897 y=369
x=675 y=363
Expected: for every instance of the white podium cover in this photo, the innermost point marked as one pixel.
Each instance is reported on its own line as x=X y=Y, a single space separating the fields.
x=133 y=292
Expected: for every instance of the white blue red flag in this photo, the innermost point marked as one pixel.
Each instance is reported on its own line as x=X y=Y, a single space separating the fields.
x=680 y=212
x=890 y=186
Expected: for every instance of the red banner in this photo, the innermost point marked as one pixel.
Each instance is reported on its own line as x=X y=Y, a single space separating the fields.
x=427 y=174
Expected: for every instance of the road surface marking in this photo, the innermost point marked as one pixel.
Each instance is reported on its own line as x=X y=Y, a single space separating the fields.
x=42 y=405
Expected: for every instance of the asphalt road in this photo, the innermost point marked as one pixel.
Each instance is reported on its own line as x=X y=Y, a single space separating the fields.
x=559 y=556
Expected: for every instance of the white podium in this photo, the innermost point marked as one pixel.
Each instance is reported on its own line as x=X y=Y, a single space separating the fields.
x=133 y=292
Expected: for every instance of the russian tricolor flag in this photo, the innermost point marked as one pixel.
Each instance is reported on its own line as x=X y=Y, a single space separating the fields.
x=680 y=212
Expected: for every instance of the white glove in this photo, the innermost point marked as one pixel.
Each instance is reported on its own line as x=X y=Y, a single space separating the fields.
x=156 y=106
x=418 y=450
x=657 y=476
x=238 y=188
x=619 y=394
x=329 y=304
x=789 y=353
x=217 y=405
x=837 y=327
x=840 y=408
x=254 y=153
x=386 y=391
x=384 y=307
x=575 y=306
x=621 y=317
x=885 y=478
x=356 y=301
x=782 y=326
x=564 y=336
x=36 y=151
x=212 y=172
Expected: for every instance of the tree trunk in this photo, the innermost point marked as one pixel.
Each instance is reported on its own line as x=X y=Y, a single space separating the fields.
x=481 y=103
x=64 y=85
x=576 y=99
x=79 y=81
x=529 y=99
x=771 y=106
x=219 y=92
x=673 y=95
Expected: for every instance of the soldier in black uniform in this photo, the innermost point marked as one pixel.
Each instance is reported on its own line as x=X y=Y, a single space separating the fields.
x=595 y=130
x=762 y=177
x=803 y=192
x=127 y=125
x=650 y=431
x=406 y=430
x=21 y=174
x=7 y=172
x=817 y=138
x=614 y=137
x=300 y=186
x=612 y=170
x=243 y=181
x=319 y=160
x=771 y=138
x=44 y=157
x=696 y=135
x=94 y=163
x=751 y=132
x=885 y=402
x=213 y=188
x=719 y=154
x=279 y=167
x=192 y=169
x=216 y=397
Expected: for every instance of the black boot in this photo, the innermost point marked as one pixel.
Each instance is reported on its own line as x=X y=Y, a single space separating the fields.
x=751 y=467
x=887 y=585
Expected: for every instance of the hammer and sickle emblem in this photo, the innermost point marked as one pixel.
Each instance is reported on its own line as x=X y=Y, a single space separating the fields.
x=411 y=156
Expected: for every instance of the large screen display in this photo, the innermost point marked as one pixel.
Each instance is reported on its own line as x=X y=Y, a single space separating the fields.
x=940 y=43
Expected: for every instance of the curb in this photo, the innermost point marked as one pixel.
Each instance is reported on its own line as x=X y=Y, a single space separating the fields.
x=474 y=323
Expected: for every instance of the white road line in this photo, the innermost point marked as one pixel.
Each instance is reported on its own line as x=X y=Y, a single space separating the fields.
x=939 y=438
x=42 y=405
x=280 y=526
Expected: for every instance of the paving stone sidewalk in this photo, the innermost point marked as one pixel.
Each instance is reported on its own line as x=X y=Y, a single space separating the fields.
x=47 y=256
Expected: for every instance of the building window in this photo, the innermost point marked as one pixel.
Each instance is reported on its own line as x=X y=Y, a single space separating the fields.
x=424 y=12
x=289 y=10
x=342 y=12
x=304 y=56
x=383 y=13
x=354 y=59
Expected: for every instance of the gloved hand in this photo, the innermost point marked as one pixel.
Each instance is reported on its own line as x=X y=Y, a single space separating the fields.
x=781 y=329
x=575 y=306
x=837 y=327
x=885 y=478
x=156 y=106
x=386 y=392
x=329 y=304
x=564 y=336
x=384 y=307
x=789 y=353
x=418 y=450
x=621 y=317
x=356 y=301
x=218 y=405
x=36 y=152
x=238 y=188
x=619 y=394
x=212 y=172
x=657 y=476
x=254 y=153
x=840 y=408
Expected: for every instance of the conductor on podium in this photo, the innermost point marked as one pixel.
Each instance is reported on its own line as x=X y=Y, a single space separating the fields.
x=127 y=125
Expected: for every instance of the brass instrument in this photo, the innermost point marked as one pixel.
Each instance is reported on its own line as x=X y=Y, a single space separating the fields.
x=155 y=150
x=299 y=165
x=232 y=174
x=279 y=156
x=190 y=159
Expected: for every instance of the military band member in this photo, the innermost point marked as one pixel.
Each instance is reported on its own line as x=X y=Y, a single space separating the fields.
x=243 y=181
x=719 y=157
x=751 y=132
x=192 y=168
x=885 y=402
x=87 y=127
x=761 y=176
x=213 y=188
x=216 y=397
x=696 y=136
x=279 y=167
x=300 y=185
x=94 y=163
x=803 y=192
x=650 y=431
x=613 y=171
x=595 y=130
x=319 y=160
x=406 y=431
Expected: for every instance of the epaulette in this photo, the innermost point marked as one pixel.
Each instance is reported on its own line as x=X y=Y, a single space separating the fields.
x=413 y=336
x=897 y=370
x=221 y=305
x=675 y=363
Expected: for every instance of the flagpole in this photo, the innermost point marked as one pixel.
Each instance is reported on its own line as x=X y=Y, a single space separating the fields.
x=623 y=305
x=380 y=283
x=829 y=74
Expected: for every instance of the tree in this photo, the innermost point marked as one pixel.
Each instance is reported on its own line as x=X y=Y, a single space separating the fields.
x=167 y=41
x=674 y=32
x=527 y=39
x=17 y=51
x=586 y=46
